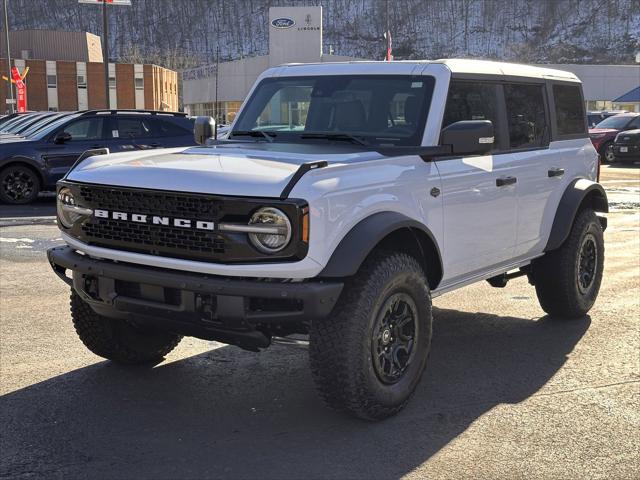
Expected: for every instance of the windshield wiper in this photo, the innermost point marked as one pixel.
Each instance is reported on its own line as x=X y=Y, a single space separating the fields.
x=337 y=136
x=254 y=133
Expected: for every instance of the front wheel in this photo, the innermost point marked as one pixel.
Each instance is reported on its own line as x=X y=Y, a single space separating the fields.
x=608 y=155
x=18 y=185
x=118 y=340
x=568 y=279
x=368 y=356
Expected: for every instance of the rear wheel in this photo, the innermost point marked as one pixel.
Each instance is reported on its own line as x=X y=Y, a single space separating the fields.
x=568 y=279
x=368 y=356
x=119 y=340
x=18 y=184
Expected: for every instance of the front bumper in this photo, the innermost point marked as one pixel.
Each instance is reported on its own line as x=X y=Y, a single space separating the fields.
x=231 y=310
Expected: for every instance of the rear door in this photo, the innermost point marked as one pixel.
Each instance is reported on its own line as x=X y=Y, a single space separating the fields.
x=538 y=169
x=86 y=133
x=132 y=132
x=479 y=192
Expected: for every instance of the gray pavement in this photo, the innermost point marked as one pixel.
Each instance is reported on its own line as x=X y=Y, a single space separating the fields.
x=508 y=393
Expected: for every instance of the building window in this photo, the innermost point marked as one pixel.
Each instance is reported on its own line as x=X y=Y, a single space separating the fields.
x=112 y=82
x=52 y=81
x=139 y=83
x=82 y=81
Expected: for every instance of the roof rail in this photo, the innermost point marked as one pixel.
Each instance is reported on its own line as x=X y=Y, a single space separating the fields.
x=132 y=110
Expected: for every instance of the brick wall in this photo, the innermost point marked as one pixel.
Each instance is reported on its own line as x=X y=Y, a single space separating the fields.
x=95 y=85
x=67 y=86
x=125 y=88
x=4 y=91
x=36 y=81
x=149 y=96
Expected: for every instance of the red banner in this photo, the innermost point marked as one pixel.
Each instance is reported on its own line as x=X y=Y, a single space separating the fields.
x=21 y=89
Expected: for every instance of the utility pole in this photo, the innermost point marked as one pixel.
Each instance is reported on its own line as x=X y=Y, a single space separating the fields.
x=215 y=108
x=9 y=84
x=105 y=51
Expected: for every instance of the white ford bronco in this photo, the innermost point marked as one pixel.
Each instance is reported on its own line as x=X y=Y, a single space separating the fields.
x=345 y=197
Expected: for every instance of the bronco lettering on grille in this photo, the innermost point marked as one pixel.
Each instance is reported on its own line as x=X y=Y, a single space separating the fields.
x=155 y=220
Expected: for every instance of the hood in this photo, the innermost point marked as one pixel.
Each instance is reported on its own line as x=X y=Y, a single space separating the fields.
x=602 y=130
x=259 y=169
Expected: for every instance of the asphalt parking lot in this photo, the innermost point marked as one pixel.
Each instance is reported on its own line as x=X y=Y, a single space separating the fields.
x=509 y=392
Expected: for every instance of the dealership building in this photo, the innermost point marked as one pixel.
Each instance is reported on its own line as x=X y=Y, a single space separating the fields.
x=66 y=72
x=295 y=36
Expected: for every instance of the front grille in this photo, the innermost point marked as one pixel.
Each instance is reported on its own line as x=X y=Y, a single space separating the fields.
x=160 y=232
x=146 y=202
x=152 y=237
x=147 y=238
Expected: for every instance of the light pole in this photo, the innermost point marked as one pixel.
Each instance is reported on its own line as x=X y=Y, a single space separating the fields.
x=6 y=28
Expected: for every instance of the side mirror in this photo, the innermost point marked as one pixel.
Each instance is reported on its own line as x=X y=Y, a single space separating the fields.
x=203 y=129
x=62 y=137
x=468 y=137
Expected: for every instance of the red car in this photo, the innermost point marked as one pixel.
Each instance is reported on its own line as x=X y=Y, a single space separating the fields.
x=605 y=132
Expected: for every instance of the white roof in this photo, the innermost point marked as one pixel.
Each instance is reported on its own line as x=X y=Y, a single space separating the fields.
x=455 y=65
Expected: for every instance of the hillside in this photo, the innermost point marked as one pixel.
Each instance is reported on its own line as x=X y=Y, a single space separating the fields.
x=179 y=33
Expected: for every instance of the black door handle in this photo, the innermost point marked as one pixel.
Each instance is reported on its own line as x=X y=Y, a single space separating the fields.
x=555 y=172
x=503 y=181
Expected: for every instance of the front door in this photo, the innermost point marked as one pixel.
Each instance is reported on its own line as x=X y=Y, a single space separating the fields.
x=86 y=134
x=479 y=193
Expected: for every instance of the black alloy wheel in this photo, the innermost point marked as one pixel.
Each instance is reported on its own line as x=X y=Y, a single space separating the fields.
x=18 y=184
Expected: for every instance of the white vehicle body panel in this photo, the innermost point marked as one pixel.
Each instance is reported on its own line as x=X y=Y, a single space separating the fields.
x=482 y=229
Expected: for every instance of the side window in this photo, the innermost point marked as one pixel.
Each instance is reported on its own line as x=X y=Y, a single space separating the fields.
x=85 y=129
x=526 y=117
x=472 y=101
x=569 y=109
x=127 y=127
x=166 y=128
x=635 y=123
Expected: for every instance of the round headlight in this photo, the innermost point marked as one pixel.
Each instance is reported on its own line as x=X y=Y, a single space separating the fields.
x=65 y=215
x=276 y=226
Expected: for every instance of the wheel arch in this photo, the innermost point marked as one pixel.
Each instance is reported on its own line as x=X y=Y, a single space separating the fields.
x=581 y=193
x=27 y=162
x=390 y=230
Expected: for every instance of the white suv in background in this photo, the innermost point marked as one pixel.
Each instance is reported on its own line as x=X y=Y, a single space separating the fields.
x=345 y=197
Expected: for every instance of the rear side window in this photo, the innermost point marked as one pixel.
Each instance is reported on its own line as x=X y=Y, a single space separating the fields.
x=526 y=116
x=131 y=128
x=569 y=109
x=167 y=128
x=472 y=101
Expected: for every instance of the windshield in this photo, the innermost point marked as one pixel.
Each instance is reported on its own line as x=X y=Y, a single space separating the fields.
x=376 y=109
x=617 y=122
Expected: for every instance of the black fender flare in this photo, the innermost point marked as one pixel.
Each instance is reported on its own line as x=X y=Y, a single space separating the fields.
x=356 y=245
x=579 y=193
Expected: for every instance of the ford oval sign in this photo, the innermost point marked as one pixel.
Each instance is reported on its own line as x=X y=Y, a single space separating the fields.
x=283 y=22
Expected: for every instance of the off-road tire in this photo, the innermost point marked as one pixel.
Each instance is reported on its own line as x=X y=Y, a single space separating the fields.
x=118 y=340
x=21 y=176
x=341 y=345
x=556 y=274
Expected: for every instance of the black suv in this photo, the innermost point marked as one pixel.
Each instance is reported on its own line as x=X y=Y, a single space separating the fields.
x=626 y=146
x=36 y=162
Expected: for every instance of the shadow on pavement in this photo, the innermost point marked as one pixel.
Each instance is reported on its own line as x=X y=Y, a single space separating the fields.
x=44 y=206
x=229 y=413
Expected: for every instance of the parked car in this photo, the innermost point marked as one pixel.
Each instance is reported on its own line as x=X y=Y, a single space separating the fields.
x=36 y=162
x=626 y=146
x=341 y=222
x=36 y=119
x=604 y=133
x=595 y=117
